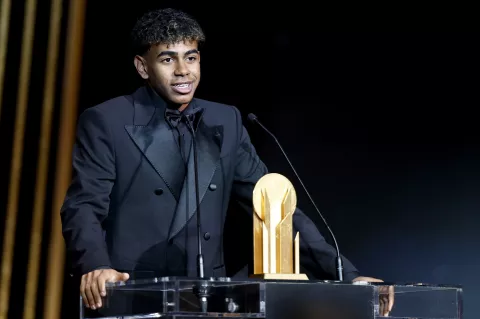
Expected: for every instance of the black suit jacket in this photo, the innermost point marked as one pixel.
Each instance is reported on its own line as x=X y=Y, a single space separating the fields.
x=129 y=206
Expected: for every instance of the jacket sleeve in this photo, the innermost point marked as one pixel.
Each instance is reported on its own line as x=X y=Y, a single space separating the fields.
x=316 y=255
x=87 y=200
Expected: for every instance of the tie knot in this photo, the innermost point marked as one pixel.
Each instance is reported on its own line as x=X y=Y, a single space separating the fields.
x=174 y=117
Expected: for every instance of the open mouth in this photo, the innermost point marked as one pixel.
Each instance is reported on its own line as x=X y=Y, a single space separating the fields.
x=183 y=87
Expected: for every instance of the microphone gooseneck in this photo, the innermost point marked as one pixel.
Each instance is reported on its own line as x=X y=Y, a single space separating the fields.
x=202 y=288
x=200 y=267
x=339 y=263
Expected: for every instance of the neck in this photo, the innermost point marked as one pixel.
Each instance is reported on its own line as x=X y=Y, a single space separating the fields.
x=177 y=107
x=173 y=106
x=182 y=107
x=159 y=98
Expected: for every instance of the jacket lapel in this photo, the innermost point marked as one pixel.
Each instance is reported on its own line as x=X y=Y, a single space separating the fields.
x=209 y=141
x=154 y=138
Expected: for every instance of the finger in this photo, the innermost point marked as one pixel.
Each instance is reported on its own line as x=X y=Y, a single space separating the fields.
x=101 y=286
x=381 y=303
x=125 y=276
x=83 y=283
x=383 y=300
x=88 y=291
x=385 y=311
x=108 y=276
x=391 y=298
x=95 y=290
x=116 y=277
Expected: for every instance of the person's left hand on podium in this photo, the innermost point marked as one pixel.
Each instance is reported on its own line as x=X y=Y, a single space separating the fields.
x=386 y=295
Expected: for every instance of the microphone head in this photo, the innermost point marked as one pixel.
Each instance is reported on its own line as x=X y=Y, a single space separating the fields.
x=252 y=117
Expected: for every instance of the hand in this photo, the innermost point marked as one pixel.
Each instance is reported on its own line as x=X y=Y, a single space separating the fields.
x=92 y=287
x=386 y=295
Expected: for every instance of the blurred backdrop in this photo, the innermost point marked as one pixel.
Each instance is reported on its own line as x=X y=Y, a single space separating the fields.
x=382 y=126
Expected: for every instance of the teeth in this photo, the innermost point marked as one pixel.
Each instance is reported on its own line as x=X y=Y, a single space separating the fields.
x=182 y=85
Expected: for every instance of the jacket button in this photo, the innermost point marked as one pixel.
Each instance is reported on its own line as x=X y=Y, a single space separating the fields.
x=158 y=191
x=206 y=236
x=212 y=187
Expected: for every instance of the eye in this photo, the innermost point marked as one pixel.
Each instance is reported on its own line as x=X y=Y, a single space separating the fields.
x=192 y=58
x=167 y=60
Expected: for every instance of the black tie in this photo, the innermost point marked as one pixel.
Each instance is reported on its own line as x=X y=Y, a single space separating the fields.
x=174 y=117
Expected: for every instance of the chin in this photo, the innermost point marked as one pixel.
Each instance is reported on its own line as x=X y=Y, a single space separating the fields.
x=182 y=100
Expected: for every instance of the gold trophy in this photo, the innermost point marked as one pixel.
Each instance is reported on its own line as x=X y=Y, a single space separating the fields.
x=276 y=253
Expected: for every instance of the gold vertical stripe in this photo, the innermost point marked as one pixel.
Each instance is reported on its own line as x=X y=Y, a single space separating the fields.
x=68 y=116
x=4 y=23
x=43 y=157
x=17 y=154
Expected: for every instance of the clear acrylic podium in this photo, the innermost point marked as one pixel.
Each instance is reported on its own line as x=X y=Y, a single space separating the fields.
x=170 y=297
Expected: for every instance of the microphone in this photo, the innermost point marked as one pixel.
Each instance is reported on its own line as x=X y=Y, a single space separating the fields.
x=202 y=290
x=339 y=267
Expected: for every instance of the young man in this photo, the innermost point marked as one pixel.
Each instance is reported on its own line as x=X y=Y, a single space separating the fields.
x=131 y=204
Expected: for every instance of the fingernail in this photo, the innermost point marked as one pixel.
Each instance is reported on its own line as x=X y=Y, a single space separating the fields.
x=93 y=307
x=103 y=293
x=99 y=304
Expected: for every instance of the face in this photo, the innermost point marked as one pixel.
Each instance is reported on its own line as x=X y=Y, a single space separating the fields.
x=172 y=70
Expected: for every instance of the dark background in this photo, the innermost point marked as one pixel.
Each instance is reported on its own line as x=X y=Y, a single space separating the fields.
x=381 y=126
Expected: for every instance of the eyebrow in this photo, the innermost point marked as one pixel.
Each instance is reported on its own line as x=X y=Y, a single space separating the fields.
x=174 y=53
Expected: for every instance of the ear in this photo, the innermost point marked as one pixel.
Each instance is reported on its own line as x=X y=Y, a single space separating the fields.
x=141 y=66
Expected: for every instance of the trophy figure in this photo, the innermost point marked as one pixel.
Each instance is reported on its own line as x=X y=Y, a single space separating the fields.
x=276 y=253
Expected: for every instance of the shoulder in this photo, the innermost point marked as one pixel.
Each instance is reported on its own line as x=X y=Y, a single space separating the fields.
x=118 y=109
x=112 y=107
x=220 y=113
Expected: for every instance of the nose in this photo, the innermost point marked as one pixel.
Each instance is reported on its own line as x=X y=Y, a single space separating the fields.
x=181 y=69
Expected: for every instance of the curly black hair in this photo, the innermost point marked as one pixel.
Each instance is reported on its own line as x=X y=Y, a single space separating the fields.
x=166 y=26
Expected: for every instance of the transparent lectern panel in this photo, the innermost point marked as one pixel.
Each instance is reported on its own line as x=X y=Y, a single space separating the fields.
x=279 y=299
x=180 y=298
x=420 y=301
